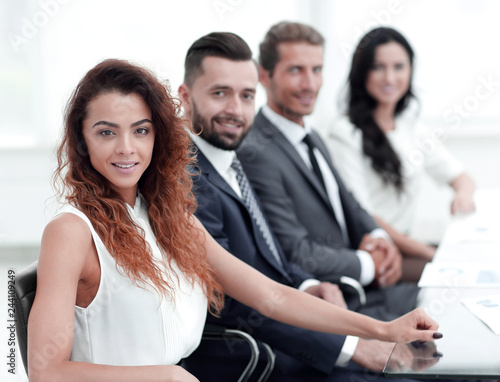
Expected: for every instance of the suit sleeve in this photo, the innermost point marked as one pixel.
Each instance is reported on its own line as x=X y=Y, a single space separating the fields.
x=319 y=350
x=326 y=259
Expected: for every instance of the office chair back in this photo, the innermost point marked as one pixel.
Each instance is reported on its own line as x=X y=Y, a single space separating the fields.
x=25 y=289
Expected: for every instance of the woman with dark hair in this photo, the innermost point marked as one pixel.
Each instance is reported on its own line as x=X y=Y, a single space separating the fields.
x=126 y=272
x=382 y=153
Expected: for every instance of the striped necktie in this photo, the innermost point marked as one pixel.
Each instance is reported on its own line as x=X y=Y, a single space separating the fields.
x=249 y=199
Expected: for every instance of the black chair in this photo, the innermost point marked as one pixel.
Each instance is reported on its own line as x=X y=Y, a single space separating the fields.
x=346 y=283
x=271 y=358
x=216 y=332
x=352 y=290
x=25 y=289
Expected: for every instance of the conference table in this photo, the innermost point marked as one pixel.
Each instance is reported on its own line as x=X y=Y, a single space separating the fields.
x=465 y=270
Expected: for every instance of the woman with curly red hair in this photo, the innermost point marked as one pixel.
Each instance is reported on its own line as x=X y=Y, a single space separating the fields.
x=126 y=272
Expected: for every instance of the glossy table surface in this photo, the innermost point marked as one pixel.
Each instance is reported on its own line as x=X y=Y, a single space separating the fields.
x=469 y=349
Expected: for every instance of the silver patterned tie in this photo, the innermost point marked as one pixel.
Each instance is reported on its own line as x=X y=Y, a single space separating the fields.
x=251 y=203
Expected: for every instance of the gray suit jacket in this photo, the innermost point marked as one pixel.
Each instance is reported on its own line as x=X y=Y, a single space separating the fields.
x=297 y=206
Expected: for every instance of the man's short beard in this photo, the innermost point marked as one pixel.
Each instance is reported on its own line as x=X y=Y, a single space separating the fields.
x=216 y=140
x=200 y=125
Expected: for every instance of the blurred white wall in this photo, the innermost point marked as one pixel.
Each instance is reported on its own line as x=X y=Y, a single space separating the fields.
x=47 y=45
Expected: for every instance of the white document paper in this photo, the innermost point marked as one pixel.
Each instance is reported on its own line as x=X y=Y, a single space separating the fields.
x=487 y=309
x=475 y=228
x=464 y=275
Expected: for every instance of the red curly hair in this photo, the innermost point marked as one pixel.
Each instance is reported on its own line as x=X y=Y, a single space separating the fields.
x=165 y=185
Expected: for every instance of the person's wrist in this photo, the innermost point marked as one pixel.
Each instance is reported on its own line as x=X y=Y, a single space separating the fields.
x=383 y=331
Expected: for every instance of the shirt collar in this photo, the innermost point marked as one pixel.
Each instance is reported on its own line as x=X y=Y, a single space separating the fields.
x=220 y=159
x=291 y=130
x=136 y=211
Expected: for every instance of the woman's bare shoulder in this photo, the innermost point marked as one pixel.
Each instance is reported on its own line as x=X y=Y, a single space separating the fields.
x=66 y=240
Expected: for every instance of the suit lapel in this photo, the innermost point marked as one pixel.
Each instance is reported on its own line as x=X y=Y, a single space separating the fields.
x=214 y=177
x=218 y=181
x=276 y=137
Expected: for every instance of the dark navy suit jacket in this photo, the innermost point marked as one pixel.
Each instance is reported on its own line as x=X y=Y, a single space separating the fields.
x=227 y=219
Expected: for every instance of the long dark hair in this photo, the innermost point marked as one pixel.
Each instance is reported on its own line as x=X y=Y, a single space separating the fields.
x=361 y=105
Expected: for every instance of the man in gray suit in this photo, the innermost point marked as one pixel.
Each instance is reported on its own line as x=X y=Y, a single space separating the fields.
x=318 y=223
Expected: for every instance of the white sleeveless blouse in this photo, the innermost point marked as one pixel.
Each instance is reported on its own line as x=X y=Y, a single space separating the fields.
x=130 y=325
